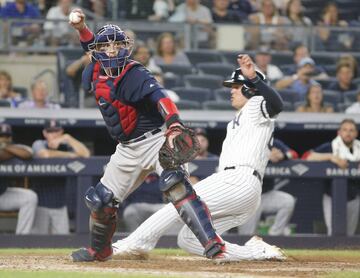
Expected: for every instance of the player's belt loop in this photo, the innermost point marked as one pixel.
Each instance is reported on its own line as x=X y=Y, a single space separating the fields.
x=142 y=137
x=255 y=173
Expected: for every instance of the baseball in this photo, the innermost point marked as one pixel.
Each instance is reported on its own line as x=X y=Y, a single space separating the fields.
x=74 y=17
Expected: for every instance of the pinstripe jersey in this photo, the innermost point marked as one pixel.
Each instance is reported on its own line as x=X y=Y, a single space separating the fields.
x=249 y=137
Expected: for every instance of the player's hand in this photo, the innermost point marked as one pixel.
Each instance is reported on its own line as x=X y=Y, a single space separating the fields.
x=81 y=25
x=341 y=163
x=276 y=155
x=247 y=66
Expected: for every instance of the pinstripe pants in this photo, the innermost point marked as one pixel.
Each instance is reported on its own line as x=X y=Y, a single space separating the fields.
x=232 y=197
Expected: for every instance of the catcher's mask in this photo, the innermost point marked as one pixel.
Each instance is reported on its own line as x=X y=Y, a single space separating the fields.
x=248 y=89
x=111 y=48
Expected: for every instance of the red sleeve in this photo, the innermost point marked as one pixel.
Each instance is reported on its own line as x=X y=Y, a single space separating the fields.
x=306 y=155
x=169 y=111
x=86 y=34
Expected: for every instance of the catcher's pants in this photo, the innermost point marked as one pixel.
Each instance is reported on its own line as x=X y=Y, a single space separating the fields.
x=232 y=196
x=273 y=201
x=24 y=200
x=131 y=163
x=352 y=210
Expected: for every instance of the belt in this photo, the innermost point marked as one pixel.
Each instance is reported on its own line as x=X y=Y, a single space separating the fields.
x=142 y=137
x=255 y=173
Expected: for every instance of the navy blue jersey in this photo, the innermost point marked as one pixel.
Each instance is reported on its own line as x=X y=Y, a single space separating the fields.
x=353 y=185
x=135 y=88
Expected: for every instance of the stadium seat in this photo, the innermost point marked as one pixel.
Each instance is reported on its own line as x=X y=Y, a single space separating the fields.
x=288 y=106
x=188 y=105
x=4 y=103
x=221 y=69
x=171 y=81
x=222 y=94
x=330 y=70
x=332 y=97
x=194 y=94
x=281 y=58
x=217 y=105
x=204 y=81
x=201 y=56
x=22 y=91
x=326 y=82
x=177 y=69
x=350 y=97
x=289 y=95
x=341 y=107
x=324 y=59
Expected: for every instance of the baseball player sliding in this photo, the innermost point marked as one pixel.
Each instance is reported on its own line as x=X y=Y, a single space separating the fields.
x=233 y=193
x=137 y=112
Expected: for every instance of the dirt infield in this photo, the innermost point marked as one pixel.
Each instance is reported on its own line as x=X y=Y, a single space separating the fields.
x=185 y=266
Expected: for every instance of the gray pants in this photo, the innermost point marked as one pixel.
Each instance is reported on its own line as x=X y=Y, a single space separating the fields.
x=24 y=200
x=352 y=210
x=273 y=201
x=135 y=214
x=53 y=221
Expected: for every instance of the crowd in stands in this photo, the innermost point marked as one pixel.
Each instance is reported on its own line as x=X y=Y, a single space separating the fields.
x=307 y=81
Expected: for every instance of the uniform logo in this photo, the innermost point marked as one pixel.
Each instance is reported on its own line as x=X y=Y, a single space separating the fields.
x=300 y=169
x=76 y=166
x=152 y=85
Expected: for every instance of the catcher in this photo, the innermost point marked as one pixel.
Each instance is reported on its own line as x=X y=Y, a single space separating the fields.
x=138 y=114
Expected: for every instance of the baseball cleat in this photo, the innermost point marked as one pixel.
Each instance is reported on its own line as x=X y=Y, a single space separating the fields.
x=90 y=255
x=269 y=252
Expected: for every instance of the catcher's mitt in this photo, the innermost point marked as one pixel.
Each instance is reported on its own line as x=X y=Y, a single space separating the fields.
x=181 y=146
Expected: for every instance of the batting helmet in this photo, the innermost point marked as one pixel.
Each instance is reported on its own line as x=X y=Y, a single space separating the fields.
x=248 y=89
x=122 y=47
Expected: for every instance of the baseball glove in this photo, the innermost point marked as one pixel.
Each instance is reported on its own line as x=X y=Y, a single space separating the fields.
x=181 y=146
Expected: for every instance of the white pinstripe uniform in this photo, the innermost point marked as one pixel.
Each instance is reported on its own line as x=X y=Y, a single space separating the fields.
x=232 y=195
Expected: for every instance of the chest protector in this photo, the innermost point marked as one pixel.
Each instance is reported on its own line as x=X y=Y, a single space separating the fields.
x=121 y=119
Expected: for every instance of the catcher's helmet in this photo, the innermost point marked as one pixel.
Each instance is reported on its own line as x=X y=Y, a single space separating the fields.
x=248 y=89
x=112 y=34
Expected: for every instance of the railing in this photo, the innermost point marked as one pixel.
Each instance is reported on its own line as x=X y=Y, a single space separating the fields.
x=85 y=169
x=39 y=36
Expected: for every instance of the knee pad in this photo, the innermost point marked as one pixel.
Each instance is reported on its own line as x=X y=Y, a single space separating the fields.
x=99 y=197
x=174 y=184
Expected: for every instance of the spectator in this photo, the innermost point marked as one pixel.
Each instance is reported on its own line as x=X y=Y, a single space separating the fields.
x=351 y=61
x=6 y=91
x=333 y=40
x=74 y=72
x=302 y=80
x=355 y=107
x=45 y=5
x=166 y=52
x=140 y=9
x=193 y=12
x=160 y=78
x=345 y=147
x=222 y=14
x=344 y=79
x=273 y=37
x=57 y=28
x=294 y=12
x=40 y=94
x=97 y=7
x=315 y=101
x=300 y=52
x=242 y=7
x=202 y=136
x=52 y=215
x=16 y=198
x=272 y=199
x=162 y=9
x=263 y=61
x=21 y=31
x=141 y=54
